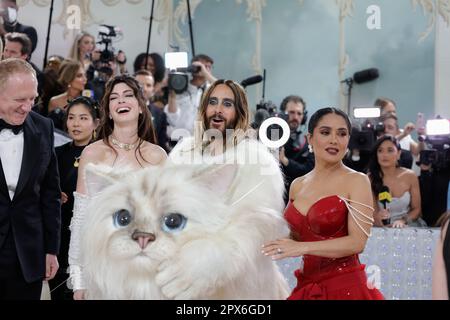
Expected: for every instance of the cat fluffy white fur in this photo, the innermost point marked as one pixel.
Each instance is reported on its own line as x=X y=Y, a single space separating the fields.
x=230 y=211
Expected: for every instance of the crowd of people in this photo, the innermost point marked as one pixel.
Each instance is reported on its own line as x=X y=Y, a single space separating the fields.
x=117 y=119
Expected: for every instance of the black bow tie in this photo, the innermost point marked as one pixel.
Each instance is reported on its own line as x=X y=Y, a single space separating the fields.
x=5 y=125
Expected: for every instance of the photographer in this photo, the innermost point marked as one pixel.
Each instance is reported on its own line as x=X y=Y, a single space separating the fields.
x=8 y=22
x=410 y=148
x=295 y=157
x=434 y=177
x=182 y=108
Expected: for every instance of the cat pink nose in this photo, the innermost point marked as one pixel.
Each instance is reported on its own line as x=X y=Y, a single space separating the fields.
x=143 y=238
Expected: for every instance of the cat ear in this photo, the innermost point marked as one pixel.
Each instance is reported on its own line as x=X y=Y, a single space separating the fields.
x=97 y=178
x=218 y=178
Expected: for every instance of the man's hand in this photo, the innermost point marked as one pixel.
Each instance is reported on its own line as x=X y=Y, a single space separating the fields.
x=283 y=159
x=51 y=266
x=409 y=127
x=204 y=72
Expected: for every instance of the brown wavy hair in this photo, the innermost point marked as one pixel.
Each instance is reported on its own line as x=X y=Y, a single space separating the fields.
x=242 y=122
x=146 y=131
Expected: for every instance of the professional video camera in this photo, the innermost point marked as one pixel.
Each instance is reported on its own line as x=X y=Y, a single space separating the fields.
x=264 y=111
x=100 y=71
x=364 y=135
x=106 y=34
x=177 y=63
x=365 y=131
x=438 y=140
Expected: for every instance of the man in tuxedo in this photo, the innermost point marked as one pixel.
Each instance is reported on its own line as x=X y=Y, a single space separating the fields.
x=29 y=187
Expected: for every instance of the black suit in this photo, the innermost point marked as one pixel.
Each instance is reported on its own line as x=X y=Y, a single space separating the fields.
x=160 y=123
x=30 y=222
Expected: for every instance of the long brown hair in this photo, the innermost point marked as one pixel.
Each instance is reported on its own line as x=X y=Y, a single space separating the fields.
x=145 y=132
x=68 y=72
x=242 y=122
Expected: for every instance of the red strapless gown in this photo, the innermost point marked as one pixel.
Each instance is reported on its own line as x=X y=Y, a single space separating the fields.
x=326 y=278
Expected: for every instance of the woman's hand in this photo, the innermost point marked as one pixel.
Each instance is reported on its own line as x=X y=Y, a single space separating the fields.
x=284 y=248
x=399 y=224
x=64 y=197
x=380 y=215
x=79 y=295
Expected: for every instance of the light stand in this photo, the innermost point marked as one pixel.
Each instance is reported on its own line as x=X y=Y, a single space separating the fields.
x=149 y=33
x=48 y=34
x=349 y=83
x=190 y=27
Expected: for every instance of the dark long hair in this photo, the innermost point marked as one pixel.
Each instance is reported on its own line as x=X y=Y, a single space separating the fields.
x=375 y=172
x=146 y=131
x=158 y=63
x=319 y=114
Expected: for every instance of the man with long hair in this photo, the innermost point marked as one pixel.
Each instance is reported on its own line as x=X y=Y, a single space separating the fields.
x=251 y=180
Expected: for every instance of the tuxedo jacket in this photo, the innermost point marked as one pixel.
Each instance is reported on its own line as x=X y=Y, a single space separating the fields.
x=34 y=214
x=160 y=124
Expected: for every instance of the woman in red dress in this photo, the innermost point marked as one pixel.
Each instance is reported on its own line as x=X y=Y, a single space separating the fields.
x=330 y=214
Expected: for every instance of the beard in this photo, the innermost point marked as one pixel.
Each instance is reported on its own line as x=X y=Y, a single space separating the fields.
x=293 y=125
x=223 y=125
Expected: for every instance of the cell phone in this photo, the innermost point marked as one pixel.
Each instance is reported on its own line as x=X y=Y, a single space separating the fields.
x=420 y=122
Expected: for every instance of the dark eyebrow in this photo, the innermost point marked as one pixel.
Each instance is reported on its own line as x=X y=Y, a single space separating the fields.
x=228 y=99
x=126 y=91
x=73 y=114
x=329 y=128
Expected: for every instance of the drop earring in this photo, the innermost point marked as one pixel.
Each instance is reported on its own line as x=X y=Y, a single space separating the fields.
x=310 y=148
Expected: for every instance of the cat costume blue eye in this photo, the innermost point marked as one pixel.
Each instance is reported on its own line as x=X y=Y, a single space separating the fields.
x=122 y=218
x=174 y=222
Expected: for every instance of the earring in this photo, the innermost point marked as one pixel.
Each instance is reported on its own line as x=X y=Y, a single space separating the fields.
x=310 y=148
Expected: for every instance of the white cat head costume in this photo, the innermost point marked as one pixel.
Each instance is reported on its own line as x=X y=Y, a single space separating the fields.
x=184 y=231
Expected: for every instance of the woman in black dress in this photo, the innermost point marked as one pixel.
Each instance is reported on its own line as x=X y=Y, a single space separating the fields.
x=81 y=120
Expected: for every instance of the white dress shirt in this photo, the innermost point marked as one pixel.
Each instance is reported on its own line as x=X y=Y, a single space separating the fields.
x=187 y=108
x=11 y=153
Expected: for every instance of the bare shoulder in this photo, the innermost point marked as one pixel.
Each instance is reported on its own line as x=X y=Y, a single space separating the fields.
x=296 y=186
x=408 y=173
x=95 y=152
x=356 y=178
x=153 y=153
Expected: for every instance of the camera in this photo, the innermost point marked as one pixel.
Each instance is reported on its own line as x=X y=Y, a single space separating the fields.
x=264 y=111
x=438 y=138
x=365 y=131
x=364 y=135
x=106 y=34
x=177 y=63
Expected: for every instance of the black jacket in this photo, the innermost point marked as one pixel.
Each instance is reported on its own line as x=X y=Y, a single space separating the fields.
x=160 y=123
x=33 y=215
x=301 y=161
